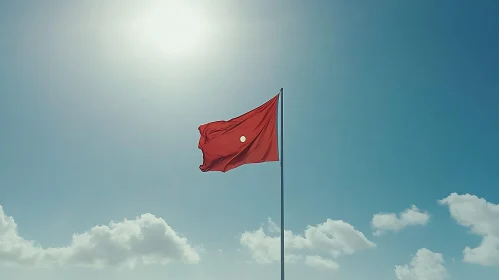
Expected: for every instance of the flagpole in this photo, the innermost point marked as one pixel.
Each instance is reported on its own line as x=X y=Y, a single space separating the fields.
x=282 y=188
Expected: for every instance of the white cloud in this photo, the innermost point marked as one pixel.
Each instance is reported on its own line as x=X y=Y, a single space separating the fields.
x=482 y=218
x=147 y=240
x=320 y=262
x=425 y=265
x=333 y=238
x=383 y=222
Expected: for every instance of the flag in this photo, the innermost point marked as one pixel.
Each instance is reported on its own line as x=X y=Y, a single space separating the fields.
x=249 y=138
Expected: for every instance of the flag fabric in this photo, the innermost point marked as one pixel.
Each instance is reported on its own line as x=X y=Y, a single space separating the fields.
x=249 y=138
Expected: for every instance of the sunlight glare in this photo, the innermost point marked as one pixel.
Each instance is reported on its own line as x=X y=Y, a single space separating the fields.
x=173 y=29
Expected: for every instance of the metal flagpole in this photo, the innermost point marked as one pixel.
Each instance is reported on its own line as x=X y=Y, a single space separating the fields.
x=282 y=189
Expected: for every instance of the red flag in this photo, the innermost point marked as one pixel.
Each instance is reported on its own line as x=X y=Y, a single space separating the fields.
x=249 y=138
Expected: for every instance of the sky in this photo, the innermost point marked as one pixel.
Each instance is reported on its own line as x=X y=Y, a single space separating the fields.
x=391 y=162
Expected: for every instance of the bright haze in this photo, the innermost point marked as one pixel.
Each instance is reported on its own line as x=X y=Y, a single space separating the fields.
x=391 y=112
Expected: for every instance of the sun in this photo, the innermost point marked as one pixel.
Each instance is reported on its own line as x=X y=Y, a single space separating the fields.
x=174 y=30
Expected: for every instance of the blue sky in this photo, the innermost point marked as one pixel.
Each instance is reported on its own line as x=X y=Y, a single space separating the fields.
x=388 y=104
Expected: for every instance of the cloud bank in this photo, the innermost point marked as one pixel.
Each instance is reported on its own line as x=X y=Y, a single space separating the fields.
x=482 y=218
x=385 y=222
x=146 y=239
x=318 y=246
x=425 y=265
